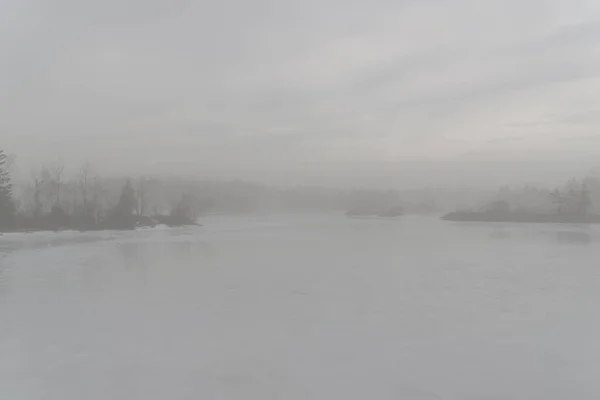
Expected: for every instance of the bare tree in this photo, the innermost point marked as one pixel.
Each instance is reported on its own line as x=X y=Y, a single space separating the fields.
x=141 y=189
x=57 y=170
x=73 y=188
x=49 y=189
x=559 y=200
x=99 y=199
x=38 y=183
x=83 y=183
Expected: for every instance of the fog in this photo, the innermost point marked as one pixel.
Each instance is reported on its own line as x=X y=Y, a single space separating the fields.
x=337 y=93
x=299 y=199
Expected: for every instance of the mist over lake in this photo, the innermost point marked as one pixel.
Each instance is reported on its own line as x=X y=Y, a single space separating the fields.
x=299 y=200
x=302 y=306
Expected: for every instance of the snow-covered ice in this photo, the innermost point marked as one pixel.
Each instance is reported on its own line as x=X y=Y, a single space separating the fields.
x=302 y=307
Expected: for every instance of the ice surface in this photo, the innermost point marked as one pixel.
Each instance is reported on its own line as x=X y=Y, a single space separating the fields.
x=302 y=307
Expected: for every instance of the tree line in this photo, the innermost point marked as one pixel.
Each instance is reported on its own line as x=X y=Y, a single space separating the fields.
x=54 y=197
x=51 y=200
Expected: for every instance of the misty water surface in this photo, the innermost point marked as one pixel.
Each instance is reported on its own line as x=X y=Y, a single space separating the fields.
x=302 y=307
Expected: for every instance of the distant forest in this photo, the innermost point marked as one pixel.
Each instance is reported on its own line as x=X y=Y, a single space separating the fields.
x=53 y=200
x=56 y=197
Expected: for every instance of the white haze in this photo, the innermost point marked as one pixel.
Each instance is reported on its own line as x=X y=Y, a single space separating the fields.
x=324 y=92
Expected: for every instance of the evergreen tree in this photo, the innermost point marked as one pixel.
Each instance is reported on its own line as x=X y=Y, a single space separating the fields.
x=7 y=205
x=585 y=201
x=127 y=202
x=183 y=213
x=122 y=215
x=559 y=199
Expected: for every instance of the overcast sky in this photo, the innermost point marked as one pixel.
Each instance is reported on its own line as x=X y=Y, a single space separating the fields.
x=312 y=91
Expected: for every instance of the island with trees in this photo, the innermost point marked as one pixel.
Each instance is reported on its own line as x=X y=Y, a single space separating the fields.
x=385 y=205
x=570 y=204
x=386 y=212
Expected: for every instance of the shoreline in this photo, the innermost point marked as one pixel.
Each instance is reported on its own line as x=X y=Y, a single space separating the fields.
x=523 y=218
x=108 y=229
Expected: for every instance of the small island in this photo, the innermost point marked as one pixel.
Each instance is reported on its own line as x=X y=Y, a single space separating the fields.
x=570 y=206
x=391 y=212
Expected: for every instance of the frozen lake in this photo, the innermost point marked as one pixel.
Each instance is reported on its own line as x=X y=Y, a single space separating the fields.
x=305 y=307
